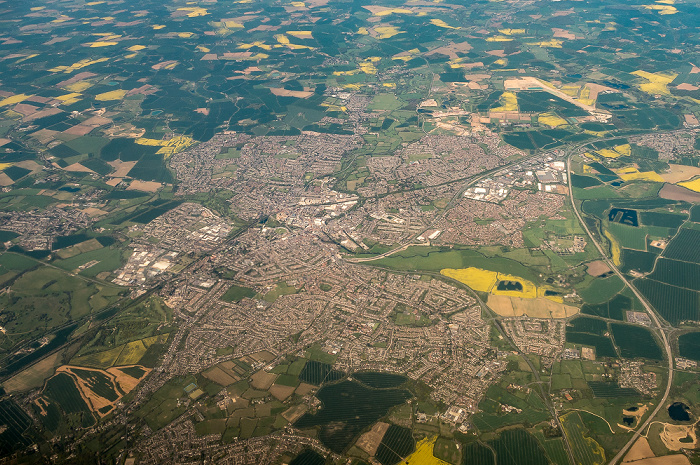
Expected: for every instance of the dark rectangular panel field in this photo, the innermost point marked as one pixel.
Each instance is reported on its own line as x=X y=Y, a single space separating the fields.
x=584 y=181
x=317 y=373
x=689 y=346
x=477 y=454
x=603 y=345
x=613 y=309
x=609 y=390
x=681 y=274
x=396 y=444
x=635 y=342
x=666 y=220
x=685 y=246
x=518 y=447
x=674 y=304
x=637 y=260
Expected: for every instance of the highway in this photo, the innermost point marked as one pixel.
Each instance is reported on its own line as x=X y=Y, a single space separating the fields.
x=650 y=311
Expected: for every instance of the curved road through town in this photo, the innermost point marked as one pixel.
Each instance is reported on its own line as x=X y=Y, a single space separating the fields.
x=647 y=308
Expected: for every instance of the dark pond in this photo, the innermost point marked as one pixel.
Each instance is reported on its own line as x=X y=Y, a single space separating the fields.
x=623 y=216
x=509 y=286
x=347 y=408
x=678 y=411
x=318 y=373
x=380 y=380
x=308 y=457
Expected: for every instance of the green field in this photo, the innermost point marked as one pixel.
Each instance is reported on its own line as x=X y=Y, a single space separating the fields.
x=586 y=450
x=236 y=293
x=280 y=290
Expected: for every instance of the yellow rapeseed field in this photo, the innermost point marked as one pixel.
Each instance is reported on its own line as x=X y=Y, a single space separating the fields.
x=424 y=454
x=509 y=102
x=552 y=43
x=499 y=39
x=510 y=32
x=258 y=44
x=386 y=32
x=111 y=95
x=658 y=82
x=441 y=23
x=403 y=11
x=300 y=34
x=476 y=278
x=14 y=99
x=693 y=185
x=662 y=9
x=194 y=12
x=77 y=65
x=78 y=86
x=102 y=43
x=167 y=147
x=615 y=248
x=485 y=281
x=551 y=119
x=640 y=176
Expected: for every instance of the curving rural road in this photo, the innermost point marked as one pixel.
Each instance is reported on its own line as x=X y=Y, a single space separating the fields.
x=647 y=308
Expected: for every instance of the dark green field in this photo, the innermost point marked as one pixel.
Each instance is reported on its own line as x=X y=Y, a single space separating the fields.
x=689 y=346
x=635 y=342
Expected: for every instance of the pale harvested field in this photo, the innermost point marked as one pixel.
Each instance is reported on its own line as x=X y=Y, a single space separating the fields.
x=678 y=173
x=262 y=380
x=369 y=441
x=535 y=308
x=451 y=50
x=290 y=93
x=678 y=459
x=96 y=121
x=564 y=34
x=304 y=389
x=262 y=356
x=145 y=186
x=673 y=192
x=42 y=114
x=597 y=89
x=219 y=376
x=29 y=165
x=78 y=130
x=122 y=168
x=25 y=109
x=280 y=392
x=597 y=268
x=292 y=414
x=45 y=135
x=640 y=450
x=5 y=180
x=78 y=168
x=92 y=212
x=126 y=382
x=35 y=375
